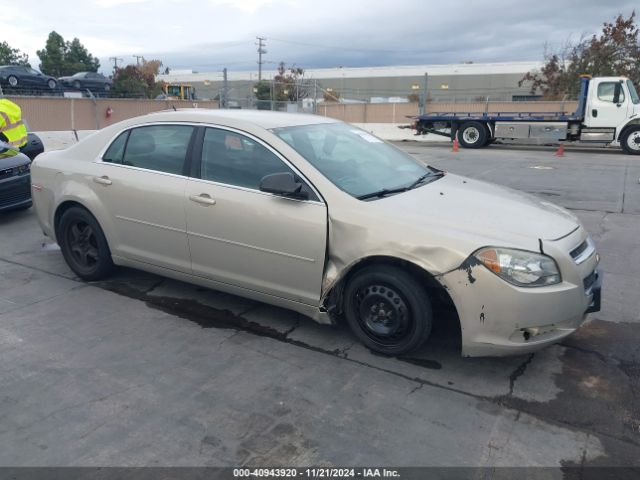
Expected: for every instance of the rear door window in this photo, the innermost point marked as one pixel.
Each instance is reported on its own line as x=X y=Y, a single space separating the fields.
x=162 y=148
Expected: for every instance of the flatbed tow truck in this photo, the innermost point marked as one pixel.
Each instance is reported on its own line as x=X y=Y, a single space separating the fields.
x=608 y=113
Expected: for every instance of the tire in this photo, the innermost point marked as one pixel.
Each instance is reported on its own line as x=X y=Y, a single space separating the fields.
x=84 y=245
x=77 y=85
x=630 y=140
x=473 y=135
x=388 y=310
x=12 y=80
x=107 y=87
x=51 y=83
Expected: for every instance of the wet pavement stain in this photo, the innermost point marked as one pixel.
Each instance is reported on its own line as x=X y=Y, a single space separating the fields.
x=599 y=381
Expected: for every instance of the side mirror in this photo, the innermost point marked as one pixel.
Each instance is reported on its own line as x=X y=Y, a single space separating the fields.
x=283 y=184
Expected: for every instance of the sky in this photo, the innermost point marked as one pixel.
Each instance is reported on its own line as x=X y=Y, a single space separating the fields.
x=208 y=35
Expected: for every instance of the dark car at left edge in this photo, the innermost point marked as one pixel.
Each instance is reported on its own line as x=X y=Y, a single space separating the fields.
x=15 y=180
x=21 y=78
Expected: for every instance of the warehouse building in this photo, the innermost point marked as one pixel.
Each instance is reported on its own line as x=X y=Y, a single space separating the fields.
x=462 y=82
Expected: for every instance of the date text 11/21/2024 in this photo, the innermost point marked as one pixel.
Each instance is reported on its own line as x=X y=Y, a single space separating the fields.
x=312 y=473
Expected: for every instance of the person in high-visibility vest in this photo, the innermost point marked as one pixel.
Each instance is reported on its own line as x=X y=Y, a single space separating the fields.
x=12 y=130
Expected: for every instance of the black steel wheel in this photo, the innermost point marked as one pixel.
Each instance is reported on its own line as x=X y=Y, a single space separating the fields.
x=473 y=135
x=84 y=245
x=388 y=310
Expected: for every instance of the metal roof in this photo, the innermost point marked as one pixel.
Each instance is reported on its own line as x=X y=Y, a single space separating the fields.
x=367 y=72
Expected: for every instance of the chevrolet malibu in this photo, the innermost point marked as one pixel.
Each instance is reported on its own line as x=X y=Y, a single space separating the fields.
x=320 y=217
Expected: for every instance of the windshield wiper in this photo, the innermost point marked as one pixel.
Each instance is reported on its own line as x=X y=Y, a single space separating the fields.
x=434 y=174
x=382 y=193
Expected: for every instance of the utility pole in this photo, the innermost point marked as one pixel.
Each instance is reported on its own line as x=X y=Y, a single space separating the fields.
x=115 y=61
x=261 y=51
x=225 y=89
x=138 y=57
x=423 y=106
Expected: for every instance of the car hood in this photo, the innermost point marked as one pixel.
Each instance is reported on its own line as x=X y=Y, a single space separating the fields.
x=488 y=210
x=15 y=160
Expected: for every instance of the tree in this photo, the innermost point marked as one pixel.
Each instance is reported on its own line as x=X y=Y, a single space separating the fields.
x=614 y=52
x=129 y=82
x=60 y=58
x=79 y=59
x=288 y=85
x=12 y=56
x=138 y=80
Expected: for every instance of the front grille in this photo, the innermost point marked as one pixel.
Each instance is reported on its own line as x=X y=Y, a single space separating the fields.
x=589 y=281
x=7 y=200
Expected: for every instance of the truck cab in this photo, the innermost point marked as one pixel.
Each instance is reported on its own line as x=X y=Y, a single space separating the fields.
x=612 y=101
x=608 y=113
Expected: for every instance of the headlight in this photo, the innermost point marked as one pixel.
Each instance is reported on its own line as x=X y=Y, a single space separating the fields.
x=520 y=267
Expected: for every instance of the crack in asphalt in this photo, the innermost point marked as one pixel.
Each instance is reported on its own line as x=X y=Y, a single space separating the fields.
x=518 y=372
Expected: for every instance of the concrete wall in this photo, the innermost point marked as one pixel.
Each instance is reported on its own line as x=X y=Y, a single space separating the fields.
x=63 y=114
x=67 y=114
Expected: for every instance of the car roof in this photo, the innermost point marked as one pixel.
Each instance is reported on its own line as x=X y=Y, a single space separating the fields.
x=256 y=118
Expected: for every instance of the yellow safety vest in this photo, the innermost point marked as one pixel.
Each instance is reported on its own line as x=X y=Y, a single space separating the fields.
x=11 y=125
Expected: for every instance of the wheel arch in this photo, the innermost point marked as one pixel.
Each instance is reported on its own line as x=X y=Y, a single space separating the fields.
x=66 y=204
x=631 y=123
x=334 y=297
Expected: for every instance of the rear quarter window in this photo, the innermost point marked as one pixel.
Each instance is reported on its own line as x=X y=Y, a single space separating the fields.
x=115 y=152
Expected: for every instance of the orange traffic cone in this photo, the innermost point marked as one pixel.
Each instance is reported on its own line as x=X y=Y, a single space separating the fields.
x=455 y=144
x=560 y=151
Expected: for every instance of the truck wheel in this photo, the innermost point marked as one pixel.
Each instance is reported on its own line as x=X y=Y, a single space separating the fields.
x=473 y=135
x=630 y=140
x=388 y=310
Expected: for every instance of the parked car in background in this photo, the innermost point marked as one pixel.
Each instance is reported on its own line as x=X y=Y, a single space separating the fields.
x=15 y=180
x=315 y=215
x=96 y=82
x=18 y=77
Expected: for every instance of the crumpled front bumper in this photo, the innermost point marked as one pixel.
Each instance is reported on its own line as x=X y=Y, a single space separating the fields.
x=498 y=318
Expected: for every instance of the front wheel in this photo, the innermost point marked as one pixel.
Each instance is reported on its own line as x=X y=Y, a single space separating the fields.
x=630 y=140
x=388 y=310
x=473 y=135
x=51 y=83
x=13 y=81
x=84 y=245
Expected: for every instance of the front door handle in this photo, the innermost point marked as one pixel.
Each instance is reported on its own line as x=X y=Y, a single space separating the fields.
x=202 y=199
x=103 y=180
x=594 y=112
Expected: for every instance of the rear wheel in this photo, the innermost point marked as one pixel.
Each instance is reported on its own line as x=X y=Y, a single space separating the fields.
x=76 y=85
x=473 y=135
x=13 y=81
x=630 y=140
x=84 y=245
x=388 y=310
x=52 y=84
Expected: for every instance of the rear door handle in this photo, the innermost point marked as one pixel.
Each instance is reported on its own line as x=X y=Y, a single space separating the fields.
x=202 y=199
x=104 y=180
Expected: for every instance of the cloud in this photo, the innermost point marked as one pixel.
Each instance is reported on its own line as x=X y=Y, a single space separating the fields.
x=116 y=3
x=208 y=36
x=248 y=6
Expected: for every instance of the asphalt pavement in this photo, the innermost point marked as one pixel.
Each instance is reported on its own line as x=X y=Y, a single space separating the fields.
x=140 y=370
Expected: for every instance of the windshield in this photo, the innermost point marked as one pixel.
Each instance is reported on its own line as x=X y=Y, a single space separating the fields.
x=632 y=92
x=354 y=160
